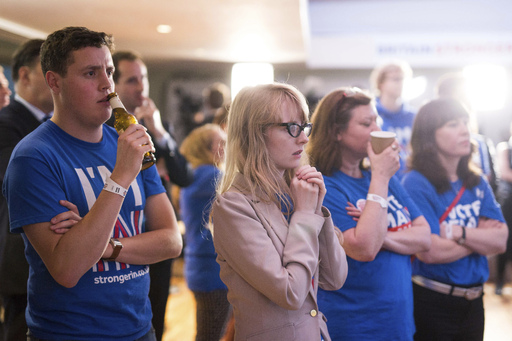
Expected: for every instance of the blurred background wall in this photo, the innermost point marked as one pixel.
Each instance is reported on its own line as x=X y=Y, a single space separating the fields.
x=316 y=45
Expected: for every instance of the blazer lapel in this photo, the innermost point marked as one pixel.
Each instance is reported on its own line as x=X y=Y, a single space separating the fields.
x=269 y=214
x=274 y=220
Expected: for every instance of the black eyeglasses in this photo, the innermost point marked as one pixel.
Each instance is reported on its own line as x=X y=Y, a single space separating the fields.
x=294 y=129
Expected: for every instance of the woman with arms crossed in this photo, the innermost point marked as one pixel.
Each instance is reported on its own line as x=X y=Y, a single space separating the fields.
x=376 y=301
x=466 y=222
x=276 y=244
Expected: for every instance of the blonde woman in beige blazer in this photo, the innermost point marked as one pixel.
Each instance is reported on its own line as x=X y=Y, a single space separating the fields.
x=276 y=243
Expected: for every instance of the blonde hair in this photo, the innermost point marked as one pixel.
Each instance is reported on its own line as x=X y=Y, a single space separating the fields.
x=380 y=72
x=197 y=146
x=253 y=110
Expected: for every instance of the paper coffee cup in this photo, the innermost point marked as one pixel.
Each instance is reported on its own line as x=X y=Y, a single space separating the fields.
x=380 y=140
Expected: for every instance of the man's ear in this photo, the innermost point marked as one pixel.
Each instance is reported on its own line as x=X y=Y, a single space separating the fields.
x=23 y=73
x=53 y=81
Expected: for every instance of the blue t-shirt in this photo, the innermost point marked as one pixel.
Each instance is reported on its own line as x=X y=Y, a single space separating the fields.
x=375 y=303
x=201 y=267
x=110 y=301
x=399 y=122
x=475 y=202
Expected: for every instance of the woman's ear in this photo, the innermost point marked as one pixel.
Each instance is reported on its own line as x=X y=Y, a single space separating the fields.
x=339 y=136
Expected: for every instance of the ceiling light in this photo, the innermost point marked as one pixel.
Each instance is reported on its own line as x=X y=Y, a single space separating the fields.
x=164 y=28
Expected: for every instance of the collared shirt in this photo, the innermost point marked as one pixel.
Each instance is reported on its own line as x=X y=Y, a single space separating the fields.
x=38 y=113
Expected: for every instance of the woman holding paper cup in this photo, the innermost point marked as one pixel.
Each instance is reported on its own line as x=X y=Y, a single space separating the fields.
x=466 y=222
x=381 y=225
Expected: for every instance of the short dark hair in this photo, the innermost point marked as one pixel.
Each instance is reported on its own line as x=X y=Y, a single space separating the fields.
x=123 y=55
x=56 y=52
x=26 y=55
x=424 y=156
x=216 y=95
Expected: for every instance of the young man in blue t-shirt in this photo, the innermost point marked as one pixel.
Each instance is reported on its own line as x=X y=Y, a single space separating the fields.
x=397 y=116
x=92 y=282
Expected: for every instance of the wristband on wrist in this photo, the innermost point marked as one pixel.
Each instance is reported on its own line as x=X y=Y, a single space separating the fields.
x=378 y=199
x=114 y=187
x=462 y=239
x=448 y=230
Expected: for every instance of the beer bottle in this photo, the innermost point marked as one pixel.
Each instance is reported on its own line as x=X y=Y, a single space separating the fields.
x=122 y=120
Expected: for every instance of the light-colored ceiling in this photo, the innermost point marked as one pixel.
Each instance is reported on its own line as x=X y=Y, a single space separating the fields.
x=326 y=34
x=202 y=30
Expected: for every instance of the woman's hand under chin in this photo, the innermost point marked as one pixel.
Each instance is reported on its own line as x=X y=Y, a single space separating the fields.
x=310 y=175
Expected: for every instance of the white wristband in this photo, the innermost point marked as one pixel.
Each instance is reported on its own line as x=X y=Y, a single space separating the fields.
x=448 y=230
x=112 y=186
x=378 y=199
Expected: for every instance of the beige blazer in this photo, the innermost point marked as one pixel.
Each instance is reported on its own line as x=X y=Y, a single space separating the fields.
x=273 y=268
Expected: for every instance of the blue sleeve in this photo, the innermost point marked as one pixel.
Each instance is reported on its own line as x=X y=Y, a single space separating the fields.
x=33 y=191
x=336 y=200
x=424 y=196
x=152 y=182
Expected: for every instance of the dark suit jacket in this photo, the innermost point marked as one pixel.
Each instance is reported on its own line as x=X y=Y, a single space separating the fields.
x=273 y=268
x=16 y=122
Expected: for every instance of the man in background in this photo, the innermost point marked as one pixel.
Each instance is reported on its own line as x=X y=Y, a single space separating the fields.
x=5 y=97
x=387 y=81
x=32 y=105
x=5 y=92
x=132 y=86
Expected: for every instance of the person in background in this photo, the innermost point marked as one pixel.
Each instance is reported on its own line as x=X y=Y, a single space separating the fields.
x=204 y=149
x=132 y=86
x=466 y=222
x=5 y=92
x=453 y=85
x=276 y=243
x=92 y=282
x=387 y=81
x=213 y=98
x=504 y=196
x=381 y=225
x=221 y=117
x=32 y=105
